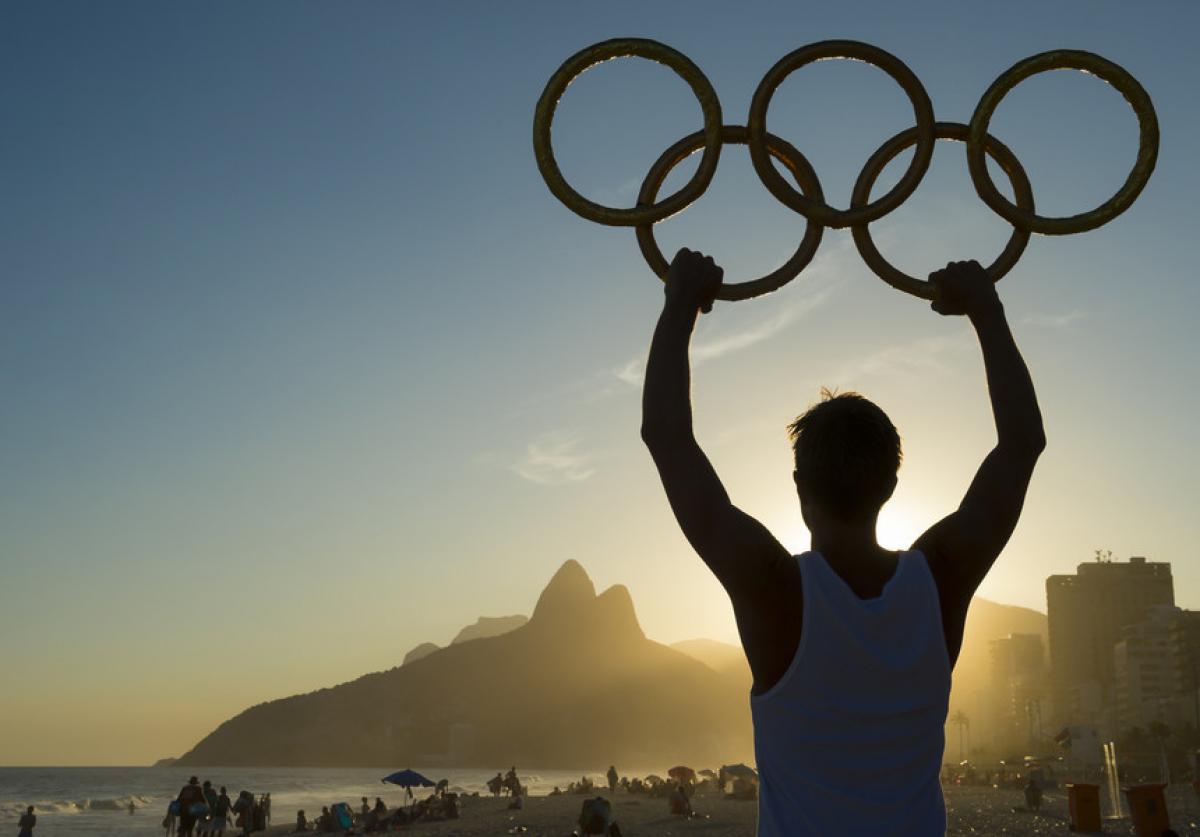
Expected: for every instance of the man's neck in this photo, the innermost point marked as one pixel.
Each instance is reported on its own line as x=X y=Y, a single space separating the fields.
x=845 y=541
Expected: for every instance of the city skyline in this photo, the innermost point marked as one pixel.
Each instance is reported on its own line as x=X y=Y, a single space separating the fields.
x=302 y=363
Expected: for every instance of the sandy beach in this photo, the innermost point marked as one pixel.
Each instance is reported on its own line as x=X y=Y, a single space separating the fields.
x=972 y=811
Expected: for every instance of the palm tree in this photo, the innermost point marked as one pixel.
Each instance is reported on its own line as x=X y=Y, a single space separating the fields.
x=963 y=723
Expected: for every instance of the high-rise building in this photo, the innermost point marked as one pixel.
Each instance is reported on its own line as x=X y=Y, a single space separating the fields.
x=1086 y=614
x=1144 y=670
x=1018 y=692
x=1185 y=646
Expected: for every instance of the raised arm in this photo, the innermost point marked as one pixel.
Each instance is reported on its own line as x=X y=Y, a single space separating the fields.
x=735 y=546
x=964 y=545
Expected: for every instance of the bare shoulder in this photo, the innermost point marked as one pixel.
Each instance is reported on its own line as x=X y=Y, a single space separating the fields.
x=769 y=618
x=954 y=591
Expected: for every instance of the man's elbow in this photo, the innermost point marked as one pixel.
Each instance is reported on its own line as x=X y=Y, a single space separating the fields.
x=1027 y=446
x=1039 y=443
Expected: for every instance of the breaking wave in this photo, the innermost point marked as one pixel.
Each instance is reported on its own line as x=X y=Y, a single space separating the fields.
x=120 y=803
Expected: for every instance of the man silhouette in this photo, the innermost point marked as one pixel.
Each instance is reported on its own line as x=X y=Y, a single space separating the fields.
x=851 y=645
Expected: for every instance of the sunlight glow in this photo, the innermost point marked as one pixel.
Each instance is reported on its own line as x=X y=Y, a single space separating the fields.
x=898 y=527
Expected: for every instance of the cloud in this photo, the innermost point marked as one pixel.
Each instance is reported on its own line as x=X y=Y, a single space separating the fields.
x=925 y=356
x=554 y=459
x=622 y=194
x=1062 y=320
x=633 y=371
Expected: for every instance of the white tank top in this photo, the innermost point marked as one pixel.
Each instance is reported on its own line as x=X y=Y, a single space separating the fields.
x=849 y=741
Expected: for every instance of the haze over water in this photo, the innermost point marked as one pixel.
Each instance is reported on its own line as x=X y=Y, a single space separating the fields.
x=303 y=365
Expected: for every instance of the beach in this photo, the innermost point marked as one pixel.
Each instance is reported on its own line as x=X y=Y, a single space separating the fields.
x=90 y=802
x=971 y=811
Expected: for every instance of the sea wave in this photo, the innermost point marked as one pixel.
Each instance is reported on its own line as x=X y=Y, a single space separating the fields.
x=66 y=806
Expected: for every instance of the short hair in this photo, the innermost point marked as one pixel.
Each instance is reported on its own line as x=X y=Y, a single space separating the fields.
x=847 y=453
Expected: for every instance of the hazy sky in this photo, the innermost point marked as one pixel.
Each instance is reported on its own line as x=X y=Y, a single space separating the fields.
x=302 y=365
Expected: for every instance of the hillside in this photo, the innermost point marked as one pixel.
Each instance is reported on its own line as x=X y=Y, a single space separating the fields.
x=719 y=656
x=578 y=685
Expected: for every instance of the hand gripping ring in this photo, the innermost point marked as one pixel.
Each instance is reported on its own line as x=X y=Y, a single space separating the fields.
x=796 y=163
x=817 y=210
x=943 y=131
x=1060 y=59
x=604 y=51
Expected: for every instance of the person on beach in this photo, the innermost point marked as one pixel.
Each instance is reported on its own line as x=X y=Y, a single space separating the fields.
x=220 y=811
x=204 y=825
x=168 y=822
x=244 y=808
x=302 y=821
x=850 y=645
x=612 y=778
x=26 y=823
x=1033 y=795
x=190 y=795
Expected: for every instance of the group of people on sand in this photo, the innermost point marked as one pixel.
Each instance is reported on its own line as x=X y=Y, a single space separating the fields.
x=508 y=783
x=738 y=786
x=201 y=810
x=378 y=818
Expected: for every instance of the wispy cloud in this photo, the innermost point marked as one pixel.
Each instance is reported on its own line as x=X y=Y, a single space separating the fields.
x=622 y=194
x=924 y=356
x=633 y=371
x=1063 y=320
x=555 y=459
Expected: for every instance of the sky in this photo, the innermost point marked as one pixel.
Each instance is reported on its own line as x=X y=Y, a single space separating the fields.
x=302 y=364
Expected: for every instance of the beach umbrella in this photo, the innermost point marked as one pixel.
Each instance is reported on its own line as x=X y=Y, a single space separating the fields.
x=739 y=771
x=682 y=773
x=707 y=774
x=653 y=779
x=408 y=779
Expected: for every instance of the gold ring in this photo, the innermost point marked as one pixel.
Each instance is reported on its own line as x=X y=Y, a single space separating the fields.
x=1064 y=59
x=596 y=54
x=817 y=210
x=796 y=163
x=943 y=131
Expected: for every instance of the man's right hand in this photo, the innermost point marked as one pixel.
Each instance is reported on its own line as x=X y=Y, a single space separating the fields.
x=693 y=281
x=963 y=288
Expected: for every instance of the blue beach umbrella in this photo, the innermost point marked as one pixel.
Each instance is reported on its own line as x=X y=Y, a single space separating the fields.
x=408 y=779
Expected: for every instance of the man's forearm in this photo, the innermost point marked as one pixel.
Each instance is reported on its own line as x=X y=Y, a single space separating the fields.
x=666 y=394
x=1014 y=402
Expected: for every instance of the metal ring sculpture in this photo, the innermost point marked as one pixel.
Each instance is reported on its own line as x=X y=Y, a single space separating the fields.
x=808 y=201
x=796 y=163
x=943 y=131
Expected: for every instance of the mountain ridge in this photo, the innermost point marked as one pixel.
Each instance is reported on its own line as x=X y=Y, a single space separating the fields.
x=575 y=685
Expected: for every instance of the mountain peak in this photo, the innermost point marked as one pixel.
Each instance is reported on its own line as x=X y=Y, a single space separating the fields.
x=615 y=611
x=568 y=590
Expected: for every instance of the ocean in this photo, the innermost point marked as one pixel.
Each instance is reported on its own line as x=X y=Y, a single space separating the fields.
x=94 y=801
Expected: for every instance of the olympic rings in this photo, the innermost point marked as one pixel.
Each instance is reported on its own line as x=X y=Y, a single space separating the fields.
x=808 y=200
x=820 y=212
x=943 y=131
x=1065 y=59
x=596 y=54
x=796 y=163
